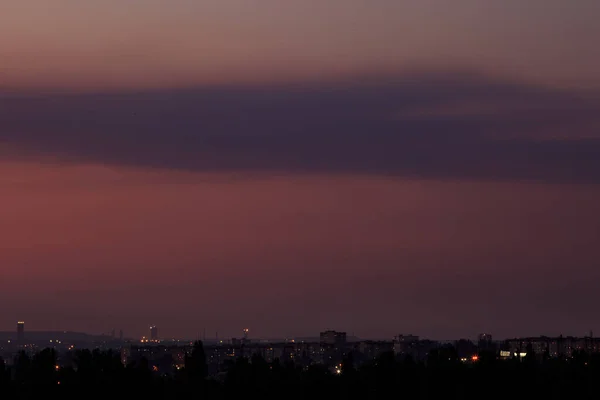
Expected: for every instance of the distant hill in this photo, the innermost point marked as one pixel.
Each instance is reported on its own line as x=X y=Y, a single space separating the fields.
x=55 y=335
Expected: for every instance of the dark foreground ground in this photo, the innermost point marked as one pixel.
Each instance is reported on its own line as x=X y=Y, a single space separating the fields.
x=443 y=376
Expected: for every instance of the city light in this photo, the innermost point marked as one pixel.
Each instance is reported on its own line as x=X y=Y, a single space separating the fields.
x=330 y=350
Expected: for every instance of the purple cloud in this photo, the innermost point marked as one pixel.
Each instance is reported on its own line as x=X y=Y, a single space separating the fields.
x=431 y=126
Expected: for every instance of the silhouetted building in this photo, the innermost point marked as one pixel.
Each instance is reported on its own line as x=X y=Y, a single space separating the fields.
x=333 y=346
x=485 y=342
x=407 y=339
x=20 y=331
x=465 y=348
x=244 y=340
x=406 y=344
x=153 y=333
x=125 y=354
x=485 y=338
x=372 y=349
x=553 y=347
x=333 y=338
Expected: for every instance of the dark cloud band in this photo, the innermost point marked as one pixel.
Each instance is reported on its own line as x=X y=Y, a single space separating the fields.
x=434 y=126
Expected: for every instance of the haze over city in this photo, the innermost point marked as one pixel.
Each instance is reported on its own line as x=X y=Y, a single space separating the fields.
x=374 y=167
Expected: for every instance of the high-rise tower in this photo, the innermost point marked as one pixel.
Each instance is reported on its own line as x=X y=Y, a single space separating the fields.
x=20 y=331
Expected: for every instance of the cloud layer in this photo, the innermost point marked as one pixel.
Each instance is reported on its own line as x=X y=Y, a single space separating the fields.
x=422 y=125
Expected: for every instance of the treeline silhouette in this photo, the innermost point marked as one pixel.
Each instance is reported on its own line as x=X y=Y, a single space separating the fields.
x=100 y=374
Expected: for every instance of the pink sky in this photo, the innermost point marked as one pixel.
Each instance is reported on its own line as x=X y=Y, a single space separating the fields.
x=146 y=43
x=195 y=184
x=95 y=248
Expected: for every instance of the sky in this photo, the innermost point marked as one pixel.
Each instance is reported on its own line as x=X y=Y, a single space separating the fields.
x=378 y=167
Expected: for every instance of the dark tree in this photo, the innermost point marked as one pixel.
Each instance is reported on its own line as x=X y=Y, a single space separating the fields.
x=195 y=364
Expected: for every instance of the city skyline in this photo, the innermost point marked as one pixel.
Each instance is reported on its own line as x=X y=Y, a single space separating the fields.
x=151 y=336
x=374 y=166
